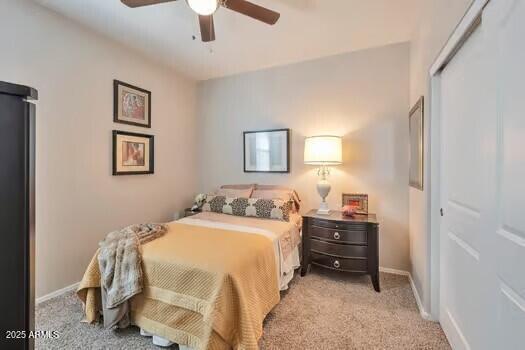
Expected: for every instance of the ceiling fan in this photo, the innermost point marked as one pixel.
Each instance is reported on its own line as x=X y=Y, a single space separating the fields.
x=206 y=8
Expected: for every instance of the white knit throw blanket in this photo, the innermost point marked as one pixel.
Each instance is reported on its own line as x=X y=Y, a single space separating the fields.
x=119 y=261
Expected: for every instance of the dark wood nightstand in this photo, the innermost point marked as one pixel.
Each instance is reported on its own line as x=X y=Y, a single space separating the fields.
x=189 y=212
x=337 y=242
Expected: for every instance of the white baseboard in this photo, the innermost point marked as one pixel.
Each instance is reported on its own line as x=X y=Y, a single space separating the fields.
x=394 y=271
x=56 y=293
x=422 y=311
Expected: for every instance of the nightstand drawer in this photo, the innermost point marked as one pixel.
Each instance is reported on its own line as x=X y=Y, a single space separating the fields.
x=349 y=226
x=342 y=264
x=340 y=235
x=339 y=250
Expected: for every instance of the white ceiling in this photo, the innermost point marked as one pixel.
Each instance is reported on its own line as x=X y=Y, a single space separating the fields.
x=307 y=29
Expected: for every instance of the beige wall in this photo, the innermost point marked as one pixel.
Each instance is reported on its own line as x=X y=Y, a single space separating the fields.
x=78 y=201
x=362 y=96
x=438 y=19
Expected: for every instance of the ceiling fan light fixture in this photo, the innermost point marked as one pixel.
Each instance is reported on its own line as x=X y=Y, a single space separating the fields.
x=203 y=7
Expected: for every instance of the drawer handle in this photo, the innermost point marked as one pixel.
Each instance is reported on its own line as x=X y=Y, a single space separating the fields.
x=337 y=264
x=337 y=235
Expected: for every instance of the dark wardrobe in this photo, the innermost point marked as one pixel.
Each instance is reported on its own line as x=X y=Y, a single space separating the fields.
x=17 y=215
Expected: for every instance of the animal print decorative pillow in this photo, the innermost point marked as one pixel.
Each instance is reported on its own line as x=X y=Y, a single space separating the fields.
x=253 y=207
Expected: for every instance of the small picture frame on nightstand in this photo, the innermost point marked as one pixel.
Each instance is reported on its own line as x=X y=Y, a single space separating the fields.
x=356 y=200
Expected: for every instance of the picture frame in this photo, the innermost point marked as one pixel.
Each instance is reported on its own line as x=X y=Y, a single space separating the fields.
x=131 y=104
x=266 y=151
x=133 y=153
x=416 y=132
x=357 y=200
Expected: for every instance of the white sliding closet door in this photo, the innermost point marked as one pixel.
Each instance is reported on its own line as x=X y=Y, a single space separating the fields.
x=482 y=274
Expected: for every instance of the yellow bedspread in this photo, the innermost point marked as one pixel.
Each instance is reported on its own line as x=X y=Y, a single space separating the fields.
x=204 y=287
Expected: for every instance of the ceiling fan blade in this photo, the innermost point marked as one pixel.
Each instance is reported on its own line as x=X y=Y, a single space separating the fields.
x=139 y=3
x=254 y=11
x=207 y=28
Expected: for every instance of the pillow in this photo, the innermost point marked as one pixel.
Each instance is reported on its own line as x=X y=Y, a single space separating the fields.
x=252 y=207
x=277 y=192
x=233 y=193
x=273 y=194
x=236 y=190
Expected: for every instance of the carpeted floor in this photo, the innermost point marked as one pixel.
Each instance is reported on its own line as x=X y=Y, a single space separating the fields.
x=324 y=310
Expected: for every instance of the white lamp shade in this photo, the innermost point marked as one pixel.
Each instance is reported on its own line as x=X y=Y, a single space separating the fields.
x=323 y=150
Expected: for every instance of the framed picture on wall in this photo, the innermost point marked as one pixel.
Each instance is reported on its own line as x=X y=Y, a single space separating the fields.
x=416 y=124
x=131 y=104
x=133 y=154
x=267 y=151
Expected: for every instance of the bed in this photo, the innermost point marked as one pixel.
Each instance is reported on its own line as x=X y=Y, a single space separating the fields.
x=210 y=281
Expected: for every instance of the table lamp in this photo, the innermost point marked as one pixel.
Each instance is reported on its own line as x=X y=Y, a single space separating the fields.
x=323 y=151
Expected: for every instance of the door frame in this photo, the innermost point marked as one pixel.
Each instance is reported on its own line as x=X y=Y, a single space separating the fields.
x=470 y=21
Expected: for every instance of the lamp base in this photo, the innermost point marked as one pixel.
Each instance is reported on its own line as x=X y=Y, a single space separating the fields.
x=323 y=188
x=323 y=209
